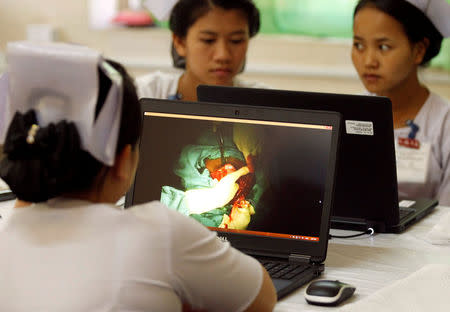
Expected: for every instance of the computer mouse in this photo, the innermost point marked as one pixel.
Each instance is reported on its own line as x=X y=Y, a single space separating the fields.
x=328 y=292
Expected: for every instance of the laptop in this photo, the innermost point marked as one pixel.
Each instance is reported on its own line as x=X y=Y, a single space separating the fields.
x=5 y=192
x=277 y=206
x=366 y=182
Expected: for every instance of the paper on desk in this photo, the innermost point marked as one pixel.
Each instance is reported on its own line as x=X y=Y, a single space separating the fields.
x=425 y=290
x=440 y=233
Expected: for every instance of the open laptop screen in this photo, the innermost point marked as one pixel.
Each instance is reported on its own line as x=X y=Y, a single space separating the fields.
x=254 y=177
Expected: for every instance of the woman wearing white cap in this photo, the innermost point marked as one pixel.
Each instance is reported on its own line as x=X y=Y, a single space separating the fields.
x=71 y=150
x=391 y=40
x=210 y=41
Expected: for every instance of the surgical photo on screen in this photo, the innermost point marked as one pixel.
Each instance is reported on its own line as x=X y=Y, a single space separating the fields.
x=238 y=175
x=221 y=179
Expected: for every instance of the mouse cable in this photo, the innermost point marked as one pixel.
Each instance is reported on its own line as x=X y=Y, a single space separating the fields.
x=369 y=231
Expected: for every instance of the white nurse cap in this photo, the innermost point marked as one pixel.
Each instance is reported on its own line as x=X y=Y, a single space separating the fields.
x=438 y=11
x=160 y=8
x=61 y=82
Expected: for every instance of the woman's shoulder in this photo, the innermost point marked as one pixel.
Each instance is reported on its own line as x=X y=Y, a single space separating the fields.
x=157 y=84
x=149 y=212
x=434 y=117
x=435 y=111
x=156 y=212
x=444 y=99
x=438 y=102
x=158 y=76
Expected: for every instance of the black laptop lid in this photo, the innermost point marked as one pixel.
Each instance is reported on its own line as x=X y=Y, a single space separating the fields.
x=366 y=180
x=290 y=186
x=5 y=192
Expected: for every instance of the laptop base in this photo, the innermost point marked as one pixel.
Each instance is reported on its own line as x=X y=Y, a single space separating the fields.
x=420 y=209
x=285 y=287
x=423 y=208
x=7 y=196
x=353 y=224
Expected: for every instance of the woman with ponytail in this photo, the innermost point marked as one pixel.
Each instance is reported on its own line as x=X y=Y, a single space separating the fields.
x=70 y=131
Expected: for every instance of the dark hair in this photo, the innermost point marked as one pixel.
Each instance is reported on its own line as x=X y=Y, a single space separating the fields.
x=55 y=163
x=416 y=24
x=186 y=12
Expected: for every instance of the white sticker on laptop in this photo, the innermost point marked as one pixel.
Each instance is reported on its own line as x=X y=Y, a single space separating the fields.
x=406 y=203
x=359 y=127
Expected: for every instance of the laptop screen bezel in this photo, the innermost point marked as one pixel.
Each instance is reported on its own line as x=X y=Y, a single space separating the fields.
x=262 y=245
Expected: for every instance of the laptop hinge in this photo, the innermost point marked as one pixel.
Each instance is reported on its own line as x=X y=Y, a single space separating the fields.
x=299 y=258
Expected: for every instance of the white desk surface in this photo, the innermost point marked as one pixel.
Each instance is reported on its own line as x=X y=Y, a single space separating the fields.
x=369 y=263
x=372 y=263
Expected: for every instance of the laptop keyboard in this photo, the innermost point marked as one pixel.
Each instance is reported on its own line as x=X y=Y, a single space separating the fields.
x=404 y=212
x=283 y=270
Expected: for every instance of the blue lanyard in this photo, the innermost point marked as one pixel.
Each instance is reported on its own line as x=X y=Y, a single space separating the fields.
x=414 y=129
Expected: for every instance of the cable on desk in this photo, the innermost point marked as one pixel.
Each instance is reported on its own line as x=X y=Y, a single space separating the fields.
x=369 y=231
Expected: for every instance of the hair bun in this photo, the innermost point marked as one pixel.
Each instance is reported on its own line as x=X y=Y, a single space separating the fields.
x=15 y=142
x=38 y=160
x=26 y=140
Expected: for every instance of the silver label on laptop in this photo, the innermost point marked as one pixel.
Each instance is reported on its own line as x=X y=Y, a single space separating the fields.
x=359 y=127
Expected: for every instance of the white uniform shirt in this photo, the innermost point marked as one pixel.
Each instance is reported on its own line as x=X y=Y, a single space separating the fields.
x=433 y=120
x=161 y=85
x=71 y=255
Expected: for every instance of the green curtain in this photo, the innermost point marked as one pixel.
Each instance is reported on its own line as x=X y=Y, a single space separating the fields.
x=442 y=60
x=318 y=18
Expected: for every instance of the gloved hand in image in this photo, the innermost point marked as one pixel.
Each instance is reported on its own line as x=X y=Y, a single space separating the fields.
x=217 y=173
x=239 y=217
x=206 y=199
